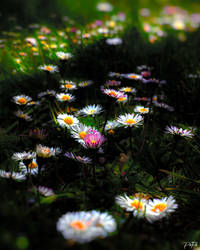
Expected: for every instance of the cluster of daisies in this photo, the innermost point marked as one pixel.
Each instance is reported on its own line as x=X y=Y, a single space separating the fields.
x=54 y=43
x=85 y=226
x=142 y=206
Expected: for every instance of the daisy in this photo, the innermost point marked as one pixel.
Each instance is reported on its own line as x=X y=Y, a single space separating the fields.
x=79 y=132
x=23 y=156
x=114 y=41
x=129 y=120
x=22 y=115
x=141 y=109
x=179 y=131
x=13 y=175
x=128 y=90
x=78 y=227
x=68 y=85
x=21 y=99
x=104 y=221
x=85 y=84
x=163 y=105
x=46 y=152
x=66 y=120
x=111 y=92
x=91 y=110
x=159 y=208
x=63 y=97
x=135 y=205
x=104 y=7
x=114 y=74
x=33 y=103
x=32 y=167
x=122 y=98
x=83 y=159
x=47 y=92
x=63 y=56
x=93 y=140
x=110 y=125
x=45 y=191
x=132 y=76
x=49 y=68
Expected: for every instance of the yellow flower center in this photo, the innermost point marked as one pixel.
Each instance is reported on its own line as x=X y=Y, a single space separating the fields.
x=82 y=134
x=92 y=111
x=112 y=93
x=48 y=68
x=68 y=86
x=130 y=121
x=143 y=110
x=121 y=99
x=68 y=120
x=22 y=100
x=137 y=204
x=65 y=98
x=46 y=150
x=133 y=76
x=127 y=89
x=78 y=225
x=22 y=116
x=159 y=207
x=93 y=141
x=32 y=165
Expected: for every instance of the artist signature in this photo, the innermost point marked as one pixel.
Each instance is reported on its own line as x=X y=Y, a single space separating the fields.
x=190 y=244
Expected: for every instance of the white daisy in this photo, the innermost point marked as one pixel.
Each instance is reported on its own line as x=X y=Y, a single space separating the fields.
x=78 y=227
x=22 y=115
x=141 y=109
x=46 y=152
x=64 y=97
x=13 y=175
x=131 y=76
x=122 y=98
x=104 y=221
x=85 y=84
x=21 y=99
x=128 y=90
x=112 y=92
x=23 y=156
x=81 y=159
x=159 y=208
x=91 y=110
x=129 y=120
x=79 y=132
x=114 y=74
x=135 y=205
x=32 y=167
x=66 y=120
x=110 y=125
x=179 y=131
x=47 y=92
x=49 y=68
x=68 y=85
x=63 y=55
x=46 y=191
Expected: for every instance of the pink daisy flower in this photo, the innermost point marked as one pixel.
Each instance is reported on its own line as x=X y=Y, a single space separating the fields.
x=94 y=139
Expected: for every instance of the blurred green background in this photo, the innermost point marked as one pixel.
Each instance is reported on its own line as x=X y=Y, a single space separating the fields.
x=82 y=11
